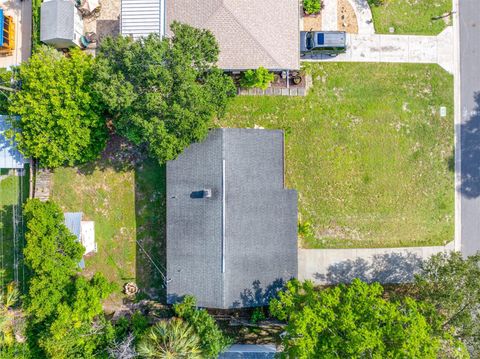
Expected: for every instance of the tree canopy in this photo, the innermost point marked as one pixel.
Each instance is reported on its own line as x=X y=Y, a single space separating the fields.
x=61 y=119
x=64 y=309
x=212 y=339
x=163 y=92
x=452 y=285
x=354 y=321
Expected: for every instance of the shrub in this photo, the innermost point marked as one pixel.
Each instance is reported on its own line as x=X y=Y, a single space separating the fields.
x=312 y=6
x=259 y=78
x=305 y=230
x=170 y=339
x=257 y=315
x=212 y=340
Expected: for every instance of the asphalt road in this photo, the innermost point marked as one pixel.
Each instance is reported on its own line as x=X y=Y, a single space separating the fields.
x=469 y=26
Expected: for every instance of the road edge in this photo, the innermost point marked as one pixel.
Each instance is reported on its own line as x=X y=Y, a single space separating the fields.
x=457 y=125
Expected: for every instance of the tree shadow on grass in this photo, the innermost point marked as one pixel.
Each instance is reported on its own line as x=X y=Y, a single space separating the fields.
x=119 y=154
x=148 y=231
x=150 y=210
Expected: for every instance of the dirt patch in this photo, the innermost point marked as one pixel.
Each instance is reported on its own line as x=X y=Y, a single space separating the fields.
x=312 y=22
x=347 y=20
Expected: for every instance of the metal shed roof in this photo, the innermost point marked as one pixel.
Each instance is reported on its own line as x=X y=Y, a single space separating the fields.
x=73 y=221
x=139 y=18
x=10 y=157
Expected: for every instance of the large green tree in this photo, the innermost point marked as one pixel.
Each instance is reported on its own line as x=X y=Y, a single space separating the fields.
x=64 y=309
x=163 y=92
x=61 y=119
x=354 y=321
x=212 y=339
x=452 y=285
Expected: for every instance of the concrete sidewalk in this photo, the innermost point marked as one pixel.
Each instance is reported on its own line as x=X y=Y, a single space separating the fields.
x=384 y=265
x=364 y=16
x=397 y=48
x=329 y=15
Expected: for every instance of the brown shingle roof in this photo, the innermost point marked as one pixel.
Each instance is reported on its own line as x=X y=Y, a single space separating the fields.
x=251 y=33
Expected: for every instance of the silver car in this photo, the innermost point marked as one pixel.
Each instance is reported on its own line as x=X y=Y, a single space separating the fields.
x=322 y=42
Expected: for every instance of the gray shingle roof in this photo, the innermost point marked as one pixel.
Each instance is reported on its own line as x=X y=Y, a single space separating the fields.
x=250 y=33
x=237 y=247
x=10 y=157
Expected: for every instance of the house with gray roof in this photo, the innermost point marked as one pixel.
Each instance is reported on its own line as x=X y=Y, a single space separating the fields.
x=250 y=33
x=231 y=224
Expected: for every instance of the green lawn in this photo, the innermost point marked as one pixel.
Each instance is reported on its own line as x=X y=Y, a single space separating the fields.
x=13 y=193
x=125 y=197
x=411 y=16
x=367 y=152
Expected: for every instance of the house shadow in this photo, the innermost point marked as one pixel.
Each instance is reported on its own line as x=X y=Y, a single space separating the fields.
x=470 y=153
x=393 y=268
x=257 y=295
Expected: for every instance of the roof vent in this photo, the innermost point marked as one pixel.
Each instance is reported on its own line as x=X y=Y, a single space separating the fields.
x=207 y=193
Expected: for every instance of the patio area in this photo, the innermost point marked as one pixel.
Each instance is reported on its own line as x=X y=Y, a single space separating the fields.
x=105 y=23
x=285 y=83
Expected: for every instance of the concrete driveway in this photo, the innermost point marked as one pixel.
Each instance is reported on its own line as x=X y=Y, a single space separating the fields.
x=384 y=265
x=397 y=48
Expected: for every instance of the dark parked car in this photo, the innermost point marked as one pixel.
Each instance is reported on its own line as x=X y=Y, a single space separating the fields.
x=322 y=42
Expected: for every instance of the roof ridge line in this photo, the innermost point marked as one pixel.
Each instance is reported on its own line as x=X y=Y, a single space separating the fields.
x=249 y=34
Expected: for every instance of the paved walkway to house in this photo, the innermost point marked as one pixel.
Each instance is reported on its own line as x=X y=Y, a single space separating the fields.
x=43 y=184
x=364 y=16
x=397 y=48
x=362 y=12
x=329 y=15
x=385 y=265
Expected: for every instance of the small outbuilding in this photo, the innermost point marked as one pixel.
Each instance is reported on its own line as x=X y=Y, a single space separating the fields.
x=10 y=157
x=231 y=223
x=83 y=230
x=61 y=24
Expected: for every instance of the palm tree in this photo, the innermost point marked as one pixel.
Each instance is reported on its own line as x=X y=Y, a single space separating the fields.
x=173 y=339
